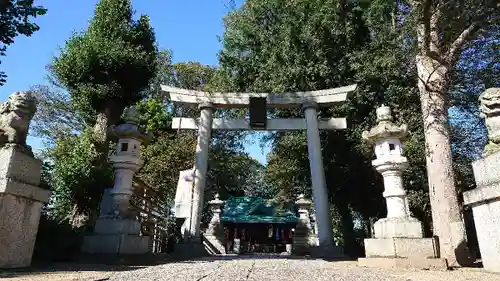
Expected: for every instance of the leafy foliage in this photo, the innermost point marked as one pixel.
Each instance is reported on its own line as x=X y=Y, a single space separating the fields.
x=74 y=178
x=111 y=63
x=15 y=20
x=56 y=116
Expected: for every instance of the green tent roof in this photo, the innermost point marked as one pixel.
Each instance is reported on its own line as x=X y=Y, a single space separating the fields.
x=250 y=209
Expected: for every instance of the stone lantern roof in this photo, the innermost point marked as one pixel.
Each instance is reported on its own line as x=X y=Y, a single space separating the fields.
x=385 y=128
x=130 y=128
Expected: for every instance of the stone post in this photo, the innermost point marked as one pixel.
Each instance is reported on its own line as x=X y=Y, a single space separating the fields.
x=117 y=231
x=485 y=198
x=21 y=199
x=200 y=167
x=398 y=235
x=320 y=193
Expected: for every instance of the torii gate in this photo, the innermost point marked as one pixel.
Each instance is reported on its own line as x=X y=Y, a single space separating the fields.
x=309 y=101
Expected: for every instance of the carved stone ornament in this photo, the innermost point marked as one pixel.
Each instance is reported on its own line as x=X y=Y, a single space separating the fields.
x=490 y=111
x=15 y=116
x=385 y=128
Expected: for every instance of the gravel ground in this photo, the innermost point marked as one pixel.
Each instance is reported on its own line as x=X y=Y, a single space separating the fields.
x=251 y=269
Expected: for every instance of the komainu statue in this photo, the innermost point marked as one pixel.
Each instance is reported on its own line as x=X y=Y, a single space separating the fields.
x=15 y=116
x=490 y=111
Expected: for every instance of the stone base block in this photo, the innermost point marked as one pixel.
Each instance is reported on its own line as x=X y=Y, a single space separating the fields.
x=328 y=252
x=18 y=165
x=117 y=226
x=398 y=227
x=420 y=248
x=21 y=202
x=186 y=251
x=116 y=244
x=18 y=229
x=404 y=263
x=485 y=203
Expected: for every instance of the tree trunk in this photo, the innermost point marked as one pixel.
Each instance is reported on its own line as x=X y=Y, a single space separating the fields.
x=77 y=219
x=347 y=229
x=109 y=116
x=447 y=220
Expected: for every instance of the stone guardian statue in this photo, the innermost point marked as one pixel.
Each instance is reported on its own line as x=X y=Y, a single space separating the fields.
x=15 y=116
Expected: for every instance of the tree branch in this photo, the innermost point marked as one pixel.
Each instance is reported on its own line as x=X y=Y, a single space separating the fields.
x=434 y=29
x=456 y=46
x=422 y=8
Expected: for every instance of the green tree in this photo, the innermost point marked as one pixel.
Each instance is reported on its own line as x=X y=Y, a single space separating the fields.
x=105 y=69
x=334 y=43
x=318 y=40
x=15 y=20
x=108 y=67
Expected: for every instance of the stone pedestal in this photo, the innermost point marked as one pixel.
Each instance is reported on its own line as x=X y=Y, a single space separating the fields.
x=485 y=203
x=113 y=236
x=21 y=201
x=398 y=227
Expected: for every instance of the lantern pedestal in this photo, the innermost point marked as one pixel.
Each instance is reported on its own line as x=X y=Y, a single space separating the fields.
x=398 y=227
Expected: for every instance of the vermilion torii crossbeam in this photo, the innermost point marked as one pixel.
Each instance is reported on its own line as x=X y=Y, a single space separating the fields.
x=281 y=100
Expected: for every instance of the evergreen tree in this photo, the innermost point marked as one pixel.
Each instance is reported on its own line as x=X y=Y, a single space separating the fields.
x=107 y=68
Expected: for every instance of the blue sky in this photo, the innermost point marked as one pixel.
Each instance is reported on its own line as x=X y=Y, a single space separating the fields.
x=187 y=27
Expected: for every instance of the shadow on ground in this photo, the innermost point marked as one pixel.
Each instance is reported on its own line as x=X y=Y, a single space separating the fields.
x=63 y=268
x=259 y=256
x=101 y=263
x=91 y=263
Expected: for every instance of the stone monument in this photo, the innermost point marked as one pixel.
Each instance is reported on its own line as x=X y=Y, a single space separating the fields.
x=485 y=198
x=398 y=238
x=117 y=231
x=21 y=199
x=184 y=201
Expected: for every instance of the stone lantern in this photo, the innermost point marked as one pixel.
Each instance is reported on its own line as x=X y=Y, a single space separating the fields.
x=304 y=237
x=398 y=235
x=214 y=235
x=117 y=231
x=126 y=160
x=216 y=209
x=390 y=163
